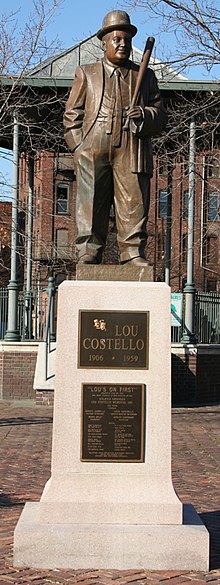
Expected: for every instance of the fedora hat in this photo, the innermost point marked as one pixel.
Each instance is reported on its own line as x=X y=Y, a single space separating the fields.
x=116 y=20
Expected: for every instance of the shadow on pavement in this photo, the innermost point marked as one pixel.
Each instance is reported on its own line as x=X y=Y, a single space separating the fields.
x=7 y=502
x=212 y=523
x=26 y=421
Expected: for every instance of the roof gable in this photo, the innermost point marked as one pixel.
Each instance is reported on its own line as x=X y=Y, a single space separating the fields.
x=88 y=51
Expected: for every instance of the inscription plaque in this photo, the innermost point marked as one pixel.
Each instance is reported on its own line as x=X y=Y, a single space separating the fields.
x=113 y=339
x=113 y=423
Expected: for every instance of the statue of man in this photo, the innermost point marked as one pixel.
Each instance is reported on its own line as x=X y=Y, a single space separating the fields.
x=113 y=166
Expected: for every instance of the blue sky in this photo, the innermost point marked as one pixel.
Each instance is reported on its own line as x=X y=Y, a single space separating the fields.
x=78 y=19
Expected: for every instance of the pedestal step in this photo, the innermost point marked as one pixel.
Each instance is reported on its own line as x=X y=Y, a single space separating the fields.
x=73 y=546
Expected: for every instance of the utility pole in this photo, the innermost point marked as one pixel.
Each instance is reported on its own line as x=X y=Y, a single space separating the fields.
x=12 y=333
x=189 y=289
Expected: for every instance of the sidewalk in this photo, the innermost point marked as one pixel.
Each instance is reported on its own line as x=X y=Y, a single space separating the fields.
x=25 y=451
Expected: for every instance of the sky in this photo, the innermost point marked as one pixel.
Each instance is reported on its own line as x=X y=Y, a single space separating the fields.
x=78 y=19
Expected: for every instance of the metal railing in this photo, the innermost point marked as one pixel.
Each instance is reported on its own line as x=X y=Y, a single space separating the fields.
x=207 y=319
x=176 y=334
x=50 y=335
x=3 y=311
x=207 y=316
x=39 y=304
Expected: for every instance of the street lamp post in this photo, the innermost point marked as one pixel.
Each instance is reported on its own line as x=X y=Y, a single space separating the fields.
x=189 y=289
x=12 y=333
x=28 y=295
x=169 y=222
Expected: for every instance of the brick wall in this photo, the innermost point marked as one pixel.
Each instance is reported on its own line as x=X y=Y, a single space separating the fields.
x=208 y=375
x=195 y=374
x=183 y=378
x=44 y=398
x=17 y=368
x=5 y=242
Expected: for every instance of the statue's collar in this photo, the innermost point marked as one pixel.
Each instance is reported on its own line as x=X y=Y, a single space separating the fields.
x=110 y=69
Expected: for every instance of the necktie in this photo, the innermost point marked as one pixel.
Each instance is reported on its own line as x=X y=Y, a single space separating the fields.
x=117 y=125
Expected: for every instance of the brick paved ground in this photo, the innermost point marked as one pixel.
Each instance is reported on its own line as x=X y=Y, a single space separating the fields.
x=25 y=435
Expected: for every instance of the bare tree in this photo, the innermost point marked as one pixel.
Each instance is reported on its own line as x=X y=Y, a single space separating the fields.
x=23 y=46
x=20 y=50
x=195 y=26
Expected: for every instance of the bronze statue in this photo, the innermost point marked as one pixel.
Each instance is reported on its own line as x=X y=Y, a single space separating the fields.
x=113 y=165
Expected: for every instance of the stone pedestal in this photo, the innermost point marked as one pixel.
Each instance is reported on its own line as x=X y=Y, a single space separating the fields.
x=105 y=511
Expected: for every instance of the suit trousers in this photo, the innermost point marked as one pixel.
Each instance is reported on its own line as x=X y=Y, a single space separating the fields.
x=104 y=178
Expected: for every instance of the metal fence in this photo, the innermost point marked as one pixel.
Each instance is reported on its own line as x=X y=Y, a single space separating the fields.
x=207 y=319
x=207 y=316
x=39 y=303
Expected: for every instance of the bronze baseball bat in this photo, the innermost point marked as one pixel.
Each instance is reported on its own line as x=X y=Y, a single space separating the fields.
x=144 y=63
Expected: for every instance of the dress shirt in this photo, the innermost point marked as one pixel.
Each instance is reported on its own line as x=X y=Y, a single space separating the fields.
x=107 y=105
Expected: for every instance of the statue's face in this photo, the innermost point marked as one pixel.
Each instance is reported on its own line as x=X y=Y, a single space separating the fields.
x=117 y=46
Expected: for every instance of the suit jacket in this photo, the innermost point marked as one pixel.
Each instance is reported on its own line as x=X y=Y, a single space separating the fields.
x=84 y=103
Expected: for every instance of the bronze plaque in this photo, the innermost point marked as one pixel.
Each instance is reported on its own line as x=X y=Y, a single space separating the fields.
x=113 y=339
x=113 y=423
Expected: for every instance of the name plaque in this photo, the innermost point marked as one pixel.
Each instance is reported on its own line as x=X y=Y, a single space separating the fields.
x=113 y=339
x=113 y=423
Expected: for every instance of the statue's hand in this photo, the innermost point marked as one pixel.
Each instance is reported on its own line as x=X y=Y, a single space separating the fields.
x=135 y=113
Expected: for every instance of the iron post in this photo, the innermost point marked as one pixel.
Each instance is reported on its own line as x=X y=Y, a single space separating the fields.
x=28 y=294
x=169 y=222
x=12 y=333
x=189 y=289
x=51 y=292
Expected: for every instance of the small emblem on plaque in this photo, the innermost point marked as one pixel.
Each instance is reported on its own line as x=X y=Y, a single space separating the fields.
x=100 y=324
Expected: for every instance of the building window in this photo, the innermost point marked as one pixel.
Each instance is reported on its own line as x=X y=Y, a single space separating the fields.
x=163 y=203
x=163 y=165
x=22 y=169
x=38 y=202
x=62 y=202
x=62 y=243
x=212 y=250
x=34 y=202
x=185 y=205
x=184 y=248
x=213 y=167
x=185 y=167
x=25 y=176
x=159 y=246
x=213 y=207
x=211 y=285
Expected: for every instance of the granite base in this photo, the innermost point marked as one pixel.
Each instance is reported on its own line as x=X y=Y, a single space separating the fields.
x=73 y=546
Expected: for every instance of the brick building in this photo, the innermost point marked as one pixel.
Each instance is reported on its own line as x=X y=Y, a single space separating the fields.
x=54 y=227
x=207 y=221
x=5 y=242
